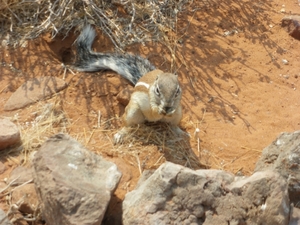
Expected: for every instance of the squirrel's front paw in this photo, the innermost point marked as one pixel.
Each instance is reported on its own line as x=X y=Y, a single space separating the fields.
x=119 y=137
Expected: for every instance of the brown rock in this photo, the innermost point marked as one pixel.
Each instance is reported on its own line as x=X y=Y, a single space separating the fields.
x=266 y=195
x=283 y=156
x=292 y=25
x=29 y=200
x=73 y=184
x=9 y=133
x=2 y=167
x=2 y=185
x=124 y=96
x=174 y=194
x=20 y=175
x=34 y=90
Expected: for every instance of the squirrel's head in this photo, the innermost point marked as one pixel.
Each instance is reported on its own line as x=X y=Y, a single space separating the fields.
x=166 y=93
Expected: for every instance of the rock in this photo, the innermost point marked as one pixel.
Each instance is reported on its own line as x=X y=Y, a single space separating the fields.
x=74 y=184
x=27 y=198
x=9 y=134
x=3 y=218
x=295 y=216
x=292 y=25
x=283 y=156
x=124 y=96
x=266 y=196
x=20 y=175
x=113 y=215
x=2 y=185
x=34 y=90
x=2 y=167
x=174 y=194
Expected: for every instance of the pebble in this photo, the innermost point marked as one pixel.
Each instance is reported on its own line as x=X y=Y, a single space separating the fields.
x=2 y=167
x=285 y=62
x=9 y=134
x=34 y=90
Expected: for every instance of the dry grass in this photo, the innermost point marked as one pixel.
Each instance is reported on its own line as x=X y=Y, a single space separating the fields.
x=161 y=138
x=125 y=22
x=49 y=119
x=13 y=213
x=143 y=142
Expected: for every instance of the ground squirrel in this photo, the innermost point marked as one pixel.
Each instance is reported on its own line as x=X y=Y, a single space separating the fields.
x=156 y=95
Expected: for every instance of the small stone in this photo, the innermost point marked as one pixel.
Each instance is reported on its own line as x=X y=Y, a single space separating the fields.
x=9 y=134
x=285 y=62
x=29 y=202
x=124 y=96
x=20 y=175
x=4 y=43
x=2 y=167
x=24 y=44
x=286 y=76
x=34 y=90
x=292 y=25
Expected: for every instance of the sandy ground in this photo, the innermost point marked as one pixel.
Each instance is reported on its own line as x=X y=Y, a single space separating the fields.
x=237 y=90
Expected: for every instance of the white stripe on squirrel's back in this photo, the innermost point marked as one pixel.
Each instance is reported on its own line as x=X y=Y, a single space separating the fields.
x=142 y=84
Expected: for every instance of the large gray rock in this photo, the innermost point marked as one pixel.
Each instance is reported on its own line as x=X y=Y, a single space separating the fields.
x=266 y=196
x=292 y=25
x=3 y=218
x=34 y=90
x=177 y=195
x=295 y=216
x=283 y=156
x=74 y=184
x=9 y=134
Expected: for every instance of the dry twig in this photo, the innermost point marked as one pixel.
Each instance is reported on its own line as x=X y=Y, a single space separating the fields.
x=125 y=22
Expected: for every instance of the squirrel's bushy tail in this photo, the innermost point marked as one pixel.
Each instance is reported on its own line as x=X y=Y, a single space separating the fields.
x=130 y=67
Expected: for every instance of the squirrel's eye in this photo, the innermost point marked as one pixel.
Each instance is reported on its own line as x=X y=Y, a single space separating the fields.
x=157 y=91
x=177 y=92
